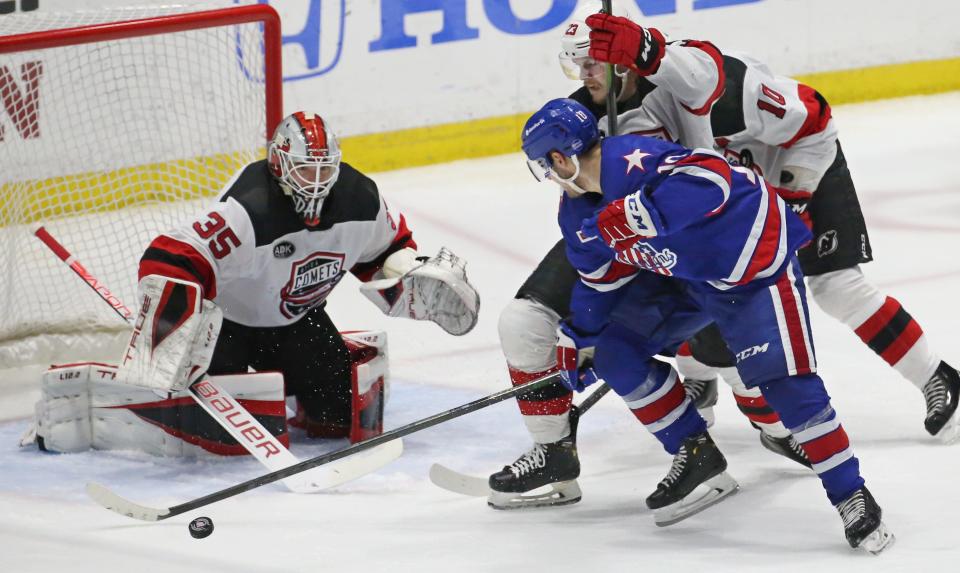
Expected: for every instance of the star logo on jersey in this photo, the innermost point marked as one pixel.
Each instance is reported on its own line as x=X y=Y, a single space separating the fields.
x=635 y=159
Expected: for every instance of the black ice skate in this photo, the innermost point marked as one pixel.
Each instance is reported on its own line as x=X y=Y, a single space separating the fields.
x=862 y=524
x=552 y=467
x=787 y=447
x=703 y=394
x=941 y=393
x=697 y=480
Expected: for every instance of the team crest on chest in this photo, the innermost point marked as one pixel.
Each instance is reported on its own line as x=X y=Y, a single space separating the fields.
x=311 y=280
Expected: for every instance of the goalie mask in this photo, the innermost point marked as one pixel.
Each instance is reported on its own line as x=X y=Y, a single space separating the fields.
x=304 y=157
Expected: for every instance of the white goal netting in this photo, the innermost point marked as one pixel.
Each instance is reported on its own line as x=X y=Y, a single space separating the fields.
x=106 y=144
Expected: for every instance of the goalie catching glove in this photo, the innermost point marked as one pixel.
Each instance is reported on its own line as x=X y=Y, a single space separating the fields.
x=173 y=337
x=421 y=288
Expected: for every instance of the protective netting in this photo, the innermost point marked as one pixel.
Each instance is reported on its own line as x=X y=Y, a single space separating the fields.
x=106 y=144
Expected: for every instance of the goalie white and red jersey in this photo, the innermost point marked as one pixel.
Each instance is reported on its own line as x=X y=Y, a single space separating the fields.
x=261 y=264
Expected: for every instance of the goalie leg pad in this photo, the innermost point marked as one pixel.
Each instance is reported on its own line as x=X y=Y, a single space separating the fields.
x=369 y=388
x=83 y=407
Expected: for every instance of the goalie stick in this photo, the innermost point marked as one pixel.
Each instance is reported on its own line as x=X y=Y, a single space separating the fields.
x=232 y=416
x=473 y=486
x=117 y=504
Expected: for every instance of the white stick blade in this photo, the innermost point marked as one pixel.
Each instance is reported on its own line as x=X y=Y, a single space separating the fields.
x=117 y=504
x=347 y=469
x=456 y=482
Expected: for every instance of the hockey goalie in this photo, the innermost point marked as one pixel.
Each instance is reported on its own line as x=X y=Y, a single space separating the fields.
x=242 y=288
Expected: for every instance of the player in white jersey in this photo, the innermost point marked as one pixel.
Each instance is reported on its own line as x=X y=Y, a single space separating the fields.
x=784 y=131
x=266 y=254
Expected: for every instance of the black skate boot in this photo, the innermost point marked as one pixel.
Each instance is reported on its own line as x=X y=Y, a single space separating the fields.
x=862 y=524
x=555 y=465
x=699 y=461
x=787 y=447
x=941 y=393
x=703 y=394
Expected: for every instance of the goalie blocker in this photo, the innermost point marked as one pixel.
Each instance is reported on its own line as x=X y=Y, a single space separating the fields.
x=84 y=406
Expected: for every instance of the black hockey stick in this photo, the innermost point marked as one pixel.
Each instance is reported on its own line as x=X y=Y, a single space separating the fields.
x=611 y=88
x=473 y=486
x=115 y=503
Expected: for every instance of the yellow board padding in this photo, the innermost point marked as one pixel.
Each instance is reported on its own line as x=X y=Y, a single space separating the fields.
x=26 y=202
x=884 y=82
x=497 y=135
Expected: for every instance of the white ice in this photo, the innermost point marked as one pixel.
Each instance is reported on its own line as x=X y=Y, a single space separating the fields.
x=903 y=158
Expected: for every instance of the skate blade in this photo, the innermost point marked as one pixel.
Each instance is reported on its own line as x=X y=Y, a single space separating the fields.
x=950 y=432
x=710 y=492
x=560 y=493
x=878 y=541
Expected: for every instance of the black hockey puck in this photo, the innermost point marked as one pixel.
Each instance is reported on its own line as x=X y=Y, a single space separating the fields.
x=201 y=527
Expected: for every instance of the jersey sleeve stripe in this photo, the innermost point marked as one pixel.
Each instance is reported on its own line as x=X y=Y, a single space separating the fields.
x=615 y=274
x=717 y=58
x=402 y=240
x=818 y=114
x=756 y=232
x=771 y=246
x=172 y=258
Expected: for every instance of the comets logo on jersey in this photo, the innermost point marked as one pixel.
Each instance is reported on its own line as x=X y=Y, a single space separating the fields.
x=311 y=280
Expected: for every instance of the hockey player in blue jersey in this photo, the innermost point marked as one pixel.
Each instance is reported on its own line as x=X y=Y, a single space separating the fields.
x=666 y=240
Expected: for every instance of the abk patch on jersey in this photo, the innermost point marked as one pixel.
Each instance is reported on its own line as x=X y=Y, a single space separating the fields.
x=311 y=280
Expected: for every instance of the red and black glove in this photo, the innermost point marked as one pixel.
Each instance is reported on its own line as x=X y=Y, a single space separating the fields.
x=798 y=201
x=617 y=40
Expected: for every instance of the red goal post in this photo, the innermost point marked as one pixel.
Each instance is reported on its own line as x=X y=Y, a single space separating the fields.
x=114 y=124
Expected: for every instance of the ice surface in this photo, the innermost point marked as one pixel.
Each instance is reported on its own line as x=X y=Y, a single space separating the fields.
x=903 y=158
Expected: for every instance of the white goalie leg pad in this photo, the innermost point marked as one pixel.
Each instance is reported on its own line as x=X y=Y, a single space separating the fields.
x=83 y=407
x=435 y=289
x=173 y=337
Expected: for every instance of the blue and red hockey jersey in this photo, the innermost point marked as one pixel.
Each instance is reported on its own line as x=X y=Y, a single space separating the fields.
x=700 y=219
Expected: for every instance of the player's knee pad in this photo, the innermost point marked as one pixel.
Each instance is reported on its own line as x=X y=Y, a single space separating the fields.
x=528 y=335
x=846 y=295
x=797 y=399
x=83 y=407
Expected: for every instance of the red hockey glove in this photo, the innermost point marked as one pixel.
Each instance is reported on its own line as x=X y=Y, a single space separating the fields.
x=622 y=223
x=798 y=201
x=617 y=40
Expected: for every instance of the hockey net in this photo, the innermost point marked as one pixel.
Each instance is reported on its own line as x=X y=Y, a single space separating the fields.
x=114 y=124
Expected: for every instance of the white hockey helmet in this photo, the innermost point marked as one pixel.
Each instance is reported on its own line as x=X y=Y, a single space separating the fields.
x=304 y=157
x=575 y=41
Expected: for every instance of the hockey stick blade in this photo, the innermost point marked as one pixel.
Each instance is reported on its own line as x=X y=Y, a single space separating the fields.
x=317 y=480
x=115 y=503
x=130 y=509
x=473 y=486
x=456 y=482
